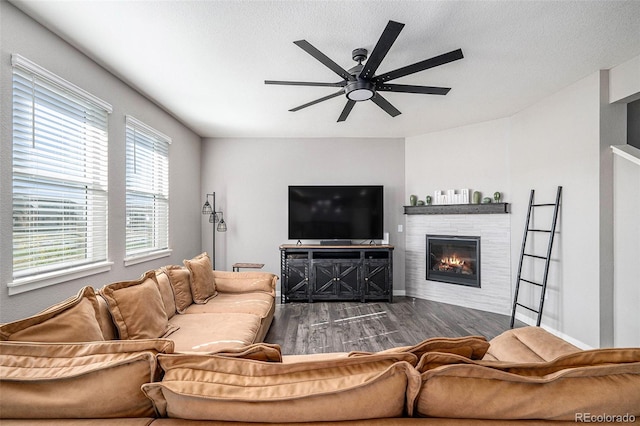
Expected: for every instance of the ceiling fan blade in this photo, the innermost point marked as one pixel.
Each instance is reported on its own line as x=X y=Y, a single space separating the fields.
x=326 y=61
x=454 y=55
x=333 y=95
x=347 y=109
x=405 y=88
x=305 y=83
x=386 y=40
x=385 y=105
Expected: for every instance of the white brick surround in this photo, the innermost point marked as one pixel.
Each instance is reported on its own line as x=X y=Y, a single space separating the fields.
x=495 y=262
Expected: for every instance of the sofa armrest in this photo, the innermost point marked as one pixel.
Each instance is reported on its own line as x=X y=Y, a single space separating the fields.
x=245 y=282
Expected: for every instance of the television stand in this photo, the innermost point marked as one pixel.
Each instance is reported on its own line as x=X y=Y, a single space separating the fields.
x=312 y=273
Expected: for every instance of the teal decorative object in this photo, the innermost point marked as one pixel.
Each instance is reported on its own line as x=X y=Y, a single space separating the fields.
x=497 y=196
x=428 y=198
x=413 y=200
x=486 y=200
x=476 y=197
x=420 y=203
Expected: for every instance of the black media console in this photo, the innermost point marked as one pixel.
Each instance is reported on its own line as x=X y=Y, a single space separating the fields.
x=319 y=272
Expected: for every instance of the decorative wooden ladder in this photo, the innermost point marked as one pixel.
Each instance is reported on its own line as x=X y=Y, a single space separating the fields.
x=547 y=258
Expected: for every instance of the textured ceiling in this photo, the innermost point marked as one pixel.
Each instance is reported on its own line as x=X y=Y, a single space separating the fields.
x=206 y=61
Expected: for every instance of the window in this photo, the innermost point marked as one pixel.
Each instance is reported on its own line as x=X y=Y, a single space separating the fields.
x=60 y=153
x=147 y=198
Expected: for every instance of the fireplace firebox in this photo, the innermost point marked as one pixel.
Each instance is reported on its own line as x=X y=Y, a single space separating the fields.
x=453 y=259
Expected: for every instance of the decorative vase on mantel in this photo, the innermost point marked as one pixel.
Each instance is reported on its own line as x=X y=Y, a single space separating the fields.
x=413 y=200
x=477 y=196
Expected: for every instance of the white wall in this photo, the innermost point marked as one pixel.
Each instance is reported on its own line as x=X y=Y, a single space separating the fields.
x=625 y=87
x=627 y=253
x=20 y=34
x=251 y=177
x=558 y=141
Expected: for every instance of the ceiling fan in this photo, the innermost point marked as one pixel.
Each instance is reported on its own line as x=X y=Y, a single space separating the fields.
x=361 y=83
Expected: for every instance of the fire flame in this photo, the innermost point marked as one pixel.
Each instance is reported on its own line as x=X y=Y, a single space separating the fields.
x=452 y=261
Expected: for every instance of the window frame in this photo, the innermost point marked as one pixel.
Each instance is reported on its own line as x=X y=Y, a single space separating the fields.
x=63 y=93
x=139 y=188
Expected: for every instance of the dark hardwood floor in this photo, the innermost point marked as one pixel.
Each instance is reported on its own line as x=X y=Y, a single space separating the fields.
x=306 y=328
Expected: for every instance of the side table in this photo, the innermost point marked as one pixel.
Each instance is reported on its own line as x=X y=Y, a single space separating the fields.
x=236 y=266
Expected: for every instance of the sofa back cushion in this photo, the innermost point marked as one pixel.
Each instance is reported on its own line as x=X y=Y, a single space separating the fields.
x=209 y=387
x=594 y=383
x=245 y=282
x=180 y=280
x=166 y=292
x=137 y=307
x=72 y=320
x=73 y=380
x=528 y=344
x=203 y=286
x=473 y=347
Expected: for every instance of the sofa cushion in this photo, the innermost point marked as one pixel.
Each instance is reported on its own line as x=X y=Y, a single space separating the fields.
x=212 y=332
x=240 y=282
x=166 y=292
x=203 y=286
x=527 y=344
x=266 y=352
x=256 y=303
x=137 y=308
x=78 y=380
x=180 y=280
x=73 y=320
x=215 y=388
x=598 y=382
x=473 y=347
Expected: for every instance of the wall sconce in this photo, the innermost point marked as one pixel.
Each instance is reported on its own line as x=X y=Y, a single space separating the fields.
x=214 y=217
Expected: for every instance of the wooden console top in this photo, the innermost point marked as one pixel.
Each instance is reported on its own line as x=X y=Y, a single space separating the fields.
x=351 y=246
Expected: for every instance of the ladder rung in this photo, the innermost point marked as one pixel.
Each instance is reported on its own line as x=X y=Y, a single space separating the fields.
x=531 y=282
x=542 y=205
x=533 y=255
x=526 y=307
x=538 y=230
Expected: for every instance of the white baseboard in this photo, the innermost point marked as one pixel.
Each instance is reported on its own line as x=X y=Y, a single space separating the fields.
x=573 y=341
x=399 y=293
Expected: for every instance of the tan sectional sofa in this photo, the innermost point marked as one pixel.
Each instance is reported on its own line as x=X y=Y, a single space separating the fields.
x=141 y=352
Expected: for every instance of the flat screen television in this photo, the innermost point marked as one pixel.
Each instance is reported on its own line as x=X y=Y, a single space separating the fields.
x=346 y=212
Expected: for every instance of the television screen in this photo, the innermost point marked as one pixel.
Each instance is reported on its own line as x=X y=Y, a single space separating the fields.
x=335 y=212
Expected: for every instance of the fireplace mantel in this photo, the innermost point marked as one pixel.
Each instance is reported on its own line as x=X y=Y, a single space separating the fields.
x=489 y=208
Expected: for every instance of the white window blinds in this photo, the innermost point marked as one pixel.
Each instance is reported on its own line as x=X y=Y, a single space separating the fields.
x=60 y=178
x=147 y=181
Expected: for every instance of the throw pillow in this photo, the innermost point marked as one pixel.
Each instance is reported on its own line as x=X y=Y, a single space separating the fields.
x=203 y=287
x=181 y=283
x=73 y=320
x=137 y=308
x=166 y=292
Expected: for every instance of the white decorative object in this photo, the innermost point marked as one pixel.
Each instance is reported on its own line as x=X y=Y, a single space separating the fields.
x=451 y=196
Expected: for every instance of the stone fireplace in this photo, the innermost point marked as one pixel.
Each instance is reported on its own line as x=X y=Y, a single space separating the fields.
x=453 y=259
x=493 y=231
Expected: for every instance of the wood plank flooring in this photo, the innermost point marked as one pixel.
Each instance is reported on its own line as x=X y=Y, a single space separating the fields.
x=320 y=327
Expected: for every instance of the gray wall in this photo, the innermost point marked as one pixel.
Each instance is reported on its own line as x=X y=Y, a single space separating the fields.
x=251 y=176
x=22 y=35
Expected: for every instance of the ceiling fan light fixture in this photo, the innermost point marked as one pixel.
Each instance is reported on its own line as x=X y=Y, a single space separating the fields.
x=360 y=95
x=359 y=90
